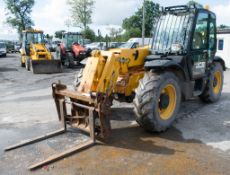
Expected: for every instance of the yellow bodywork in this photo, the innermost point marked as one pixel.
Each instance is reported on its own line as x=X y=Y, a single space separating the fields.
x=35 y=56
x=115 y=71
x=38 y=51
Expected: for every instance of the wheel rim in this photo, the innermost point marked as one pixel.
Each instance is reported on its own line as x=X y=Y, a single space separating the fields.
x=217 y=82
x=167 y=102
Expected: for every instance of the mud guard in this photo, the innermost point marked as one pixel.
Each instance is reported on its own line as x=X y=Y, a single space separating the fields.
x=221 y=61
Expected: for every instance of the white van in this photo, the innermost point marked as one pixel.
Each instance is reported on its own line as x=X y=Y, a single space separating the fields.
x=3 y=49
x=223 y=47
x=147 y=41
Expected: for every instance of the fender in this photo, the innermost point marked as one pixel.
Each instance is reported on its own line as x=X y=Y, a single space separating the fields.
x=221 y=61
x=164 y=65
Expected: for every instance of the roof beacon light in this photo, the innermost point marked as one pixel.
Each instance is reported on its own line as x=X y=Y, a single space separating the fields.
x=206 y=7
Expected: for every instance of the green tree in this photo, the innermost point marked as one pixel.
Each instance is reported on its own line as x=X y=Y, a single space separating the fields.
x=114 y=33
x=58 y=34
x=49 y=37
x=68 y=23
x=132 y=33
x=133 y=24
x=89 y=34
x=81 y=11
x=18 y=14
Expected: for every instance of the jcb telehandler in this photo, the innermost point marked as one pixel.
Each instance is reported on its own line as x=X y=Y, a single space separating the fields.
x=35 y=56
x=181 y=64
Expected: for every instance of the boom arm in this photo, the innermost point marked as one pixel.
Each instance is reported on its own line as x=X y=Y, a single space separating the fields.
x=101 y=75
x=103 y=69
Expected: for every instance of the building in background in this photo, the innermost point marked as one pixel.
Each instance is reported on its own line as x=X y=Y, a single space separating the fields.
x=223 y=45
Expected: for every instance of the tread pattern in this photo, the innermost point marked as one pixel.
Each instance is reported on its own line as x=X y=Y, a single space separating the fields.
x=146 y=95
x=208 y=96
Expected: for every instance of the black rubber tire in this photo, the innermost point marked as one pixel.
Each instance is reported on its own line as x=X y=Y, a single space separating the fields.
x=27 y=64
x=146 y=102
x=59 y=55
x=77 y=79
x=208 y=96
x=23 y=64
x=69 y=62
x=31 y=66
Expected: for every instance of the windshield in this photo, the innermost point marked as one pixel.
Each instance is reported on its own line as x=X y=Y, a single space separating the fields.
x=172 y=28
x=70 y=39
x=35 y=38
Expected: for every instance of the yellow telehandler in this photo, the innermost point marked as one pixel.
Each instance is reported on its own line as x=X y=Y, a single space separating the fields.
x=181 y=64
x=35 y=56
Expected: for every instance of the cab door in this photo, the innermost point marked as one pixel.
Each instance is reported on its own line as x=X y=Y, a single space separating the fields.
x=198 y=56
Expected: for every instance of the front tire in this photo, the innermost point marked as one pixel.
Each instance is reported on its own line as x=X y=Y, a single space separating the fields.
x=214 y=86
x=27 y=63
x=157 y=101
x=23 y=64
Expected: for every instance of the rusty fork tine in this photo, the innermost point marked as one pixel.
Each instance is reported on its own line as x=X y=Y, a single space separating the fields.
x=70 y=151
x=63 y=154
x=36 y=139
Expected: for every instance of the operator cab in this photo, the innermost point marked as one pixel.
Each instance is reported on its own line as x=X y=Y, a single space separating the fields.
x=72 y=38
x=186 y=35
x=33 y=36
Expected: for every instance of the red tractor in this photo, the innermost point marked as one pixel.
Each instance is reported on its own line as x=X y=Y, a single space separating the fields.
x=71 y=50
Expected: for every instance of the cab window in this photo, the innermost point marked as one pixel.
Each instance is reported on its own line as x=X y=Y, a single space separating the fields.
x=201 y=31
x=212 y=44
x=220 y=44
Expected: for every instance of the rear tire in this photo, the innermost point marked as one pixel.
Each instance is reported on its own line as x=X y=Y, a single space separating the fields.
x=69 y=62
x=214 y=86
x=59 y=56
x=23 y=64
x=157 y=101
x=27 y=64
x=31 y=67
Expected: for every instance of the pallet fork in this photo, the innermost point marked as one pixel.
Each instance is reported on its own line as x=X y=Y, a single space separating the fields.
x=61 y=101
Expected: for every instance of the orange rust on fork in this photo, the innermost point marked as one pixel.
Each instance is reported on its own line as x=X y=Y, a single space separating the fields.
x=61 y=102
x=88 y=113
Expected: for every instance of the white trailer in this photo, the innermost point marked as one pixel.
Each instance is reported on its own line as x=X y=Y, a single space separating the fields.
x=223 y=45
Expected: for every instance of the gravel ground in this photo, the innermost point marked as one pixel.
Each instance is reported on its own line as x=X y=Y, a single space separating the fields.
x=198 y=142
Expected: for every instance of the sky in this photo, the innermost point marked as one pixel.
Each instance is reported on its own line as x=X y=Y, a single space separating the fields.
x=50 y=15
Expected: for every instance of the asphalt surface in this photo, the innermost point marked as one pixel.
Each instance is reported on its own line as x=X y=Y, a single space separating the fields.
x=197 y=143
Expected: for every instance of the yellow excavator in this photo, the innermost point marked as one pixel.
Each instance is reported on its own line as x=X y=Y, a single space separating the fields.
x=35 y=56
x=181 y=64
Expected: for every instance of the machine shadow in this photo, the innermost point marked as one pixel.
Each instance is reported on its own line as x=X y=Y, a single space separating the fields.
x=133 y=137
x=125 y=134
